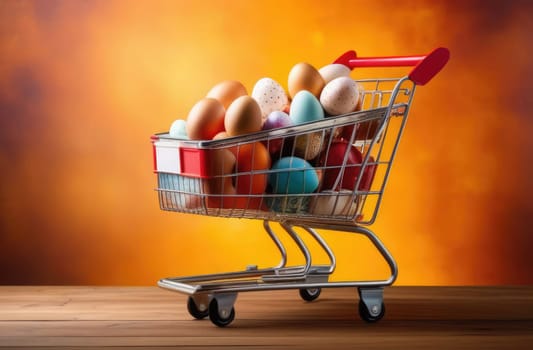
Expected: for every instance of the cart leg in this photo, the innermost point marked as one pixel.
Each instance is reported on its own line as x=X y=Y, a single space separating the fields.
x=375 y=241
x=296 y=273
x=221 y=310
x=371 y=307
x=329 y=269
x=278 y=244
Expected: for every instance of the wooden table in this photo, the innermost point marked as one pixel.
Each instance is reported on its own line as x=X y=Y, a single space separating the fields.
x=116 y=318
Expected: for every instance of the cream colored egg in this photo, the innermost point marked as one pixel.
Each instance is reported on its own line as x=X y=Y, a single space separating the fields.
x=270 y=96
x=333 y=71
x=340 y=96
x=304 y=76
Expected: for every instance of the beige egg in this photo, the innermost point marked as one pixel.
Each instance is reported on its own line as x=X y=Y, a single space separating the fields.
x=360 y=101
x=243 y=117
x=340 y=96
x=308 y=146
x=304 y=76
x=333 y=203
x=227 y=91
x=333 y=71
x=205 y=119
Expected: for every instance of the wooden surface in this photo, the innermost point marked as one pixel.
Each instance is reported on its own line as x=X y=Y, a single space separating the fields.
x=149 y=317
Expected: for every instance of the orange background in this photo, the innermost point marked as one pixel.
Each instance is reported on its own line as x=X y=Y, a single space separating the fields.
x=83 y=85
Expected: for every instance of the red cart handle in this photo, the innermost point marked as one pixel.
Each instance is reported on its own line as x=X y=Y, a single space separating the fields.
x=426 y=66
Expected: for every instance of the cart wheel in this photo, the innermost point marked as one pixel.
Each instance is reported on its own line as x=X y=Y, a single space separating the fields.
x=368 y=316
x=195 y=311
x=310 y=294
x=217 y=318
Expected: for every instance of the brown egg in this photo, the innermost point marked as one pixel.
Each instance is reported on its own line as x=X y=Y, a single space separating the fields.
x=304 y=76
x=205 y=120
x=243 y=116
x=220 y=162
x=227 y=91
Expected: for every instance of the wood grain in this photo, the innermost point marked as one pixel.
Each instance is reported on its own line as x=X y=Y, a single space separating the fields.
x=416 y=317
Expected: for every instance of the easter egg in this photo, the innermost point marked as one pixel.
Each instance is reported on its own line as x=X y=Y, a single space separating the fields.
x=305 y=108
x=292 y=175
x=253 y=161
x=340 y=96
x=243 y=116
x=333 y=71
x=220 y=163
x=332 y=203
x=205 y=119
x=368 y=175
x=270 y=96
x=304 y=76
x=338 y=173
x=178 y=129
x=308 y=146
x=227 y=91
x=274 y=120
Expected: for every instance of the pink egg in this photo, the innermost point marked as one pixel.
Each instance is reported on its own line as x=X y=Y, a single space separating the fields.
x=276 y=119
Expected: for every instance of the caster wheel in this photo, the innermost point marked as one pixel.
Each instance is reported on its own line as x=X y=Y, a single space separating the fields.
x=310 y=294
x=195 y=311
x=368 y=316
x=217 y=318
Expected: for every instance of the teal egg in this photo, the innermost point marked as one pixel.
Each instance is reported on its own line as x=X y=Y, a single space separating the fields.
x=305 y=107
x=178 y=129
x=292 y=175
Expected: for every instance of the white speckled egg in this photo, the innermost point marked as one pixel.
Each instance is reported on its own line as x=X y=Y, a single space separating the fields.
x=270 y=96
x=340 y=96
x=333 y=71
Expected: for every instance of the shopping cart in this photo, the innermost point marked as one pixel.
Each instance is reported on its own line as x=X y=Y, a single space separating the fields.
x=349 y=158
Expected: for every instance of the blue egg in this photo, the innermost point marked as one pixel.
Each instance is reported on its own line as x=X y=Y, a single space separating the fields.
x=305 y=107
x=292 y=175
x=178 y=129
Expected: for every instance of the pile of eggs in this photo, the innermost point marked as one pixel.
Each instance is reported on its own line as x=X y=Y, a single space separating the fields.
x=243 y=173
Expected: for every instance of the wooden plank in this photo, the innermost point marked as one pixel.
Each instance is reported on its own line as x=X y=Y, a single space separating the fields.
x=417 y=317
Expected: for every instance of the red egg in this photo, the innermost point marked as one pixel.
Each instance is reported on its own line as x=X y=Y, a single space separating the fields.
x=253 y=160
x=368 y=175
x=337 y=174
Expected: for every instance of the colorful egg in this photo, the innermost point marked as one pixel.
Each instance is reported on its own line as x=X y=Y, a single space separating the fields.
x=305 y=108
x=178 y=129
x=308 y=146
x=253 y=162
x=276 y=119
x=270 y=96
x=292 y=175
x=340 y=96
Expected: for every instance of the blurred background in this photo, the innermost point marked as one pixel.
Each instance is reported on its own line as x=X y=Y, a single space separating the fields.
x=84 y=84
